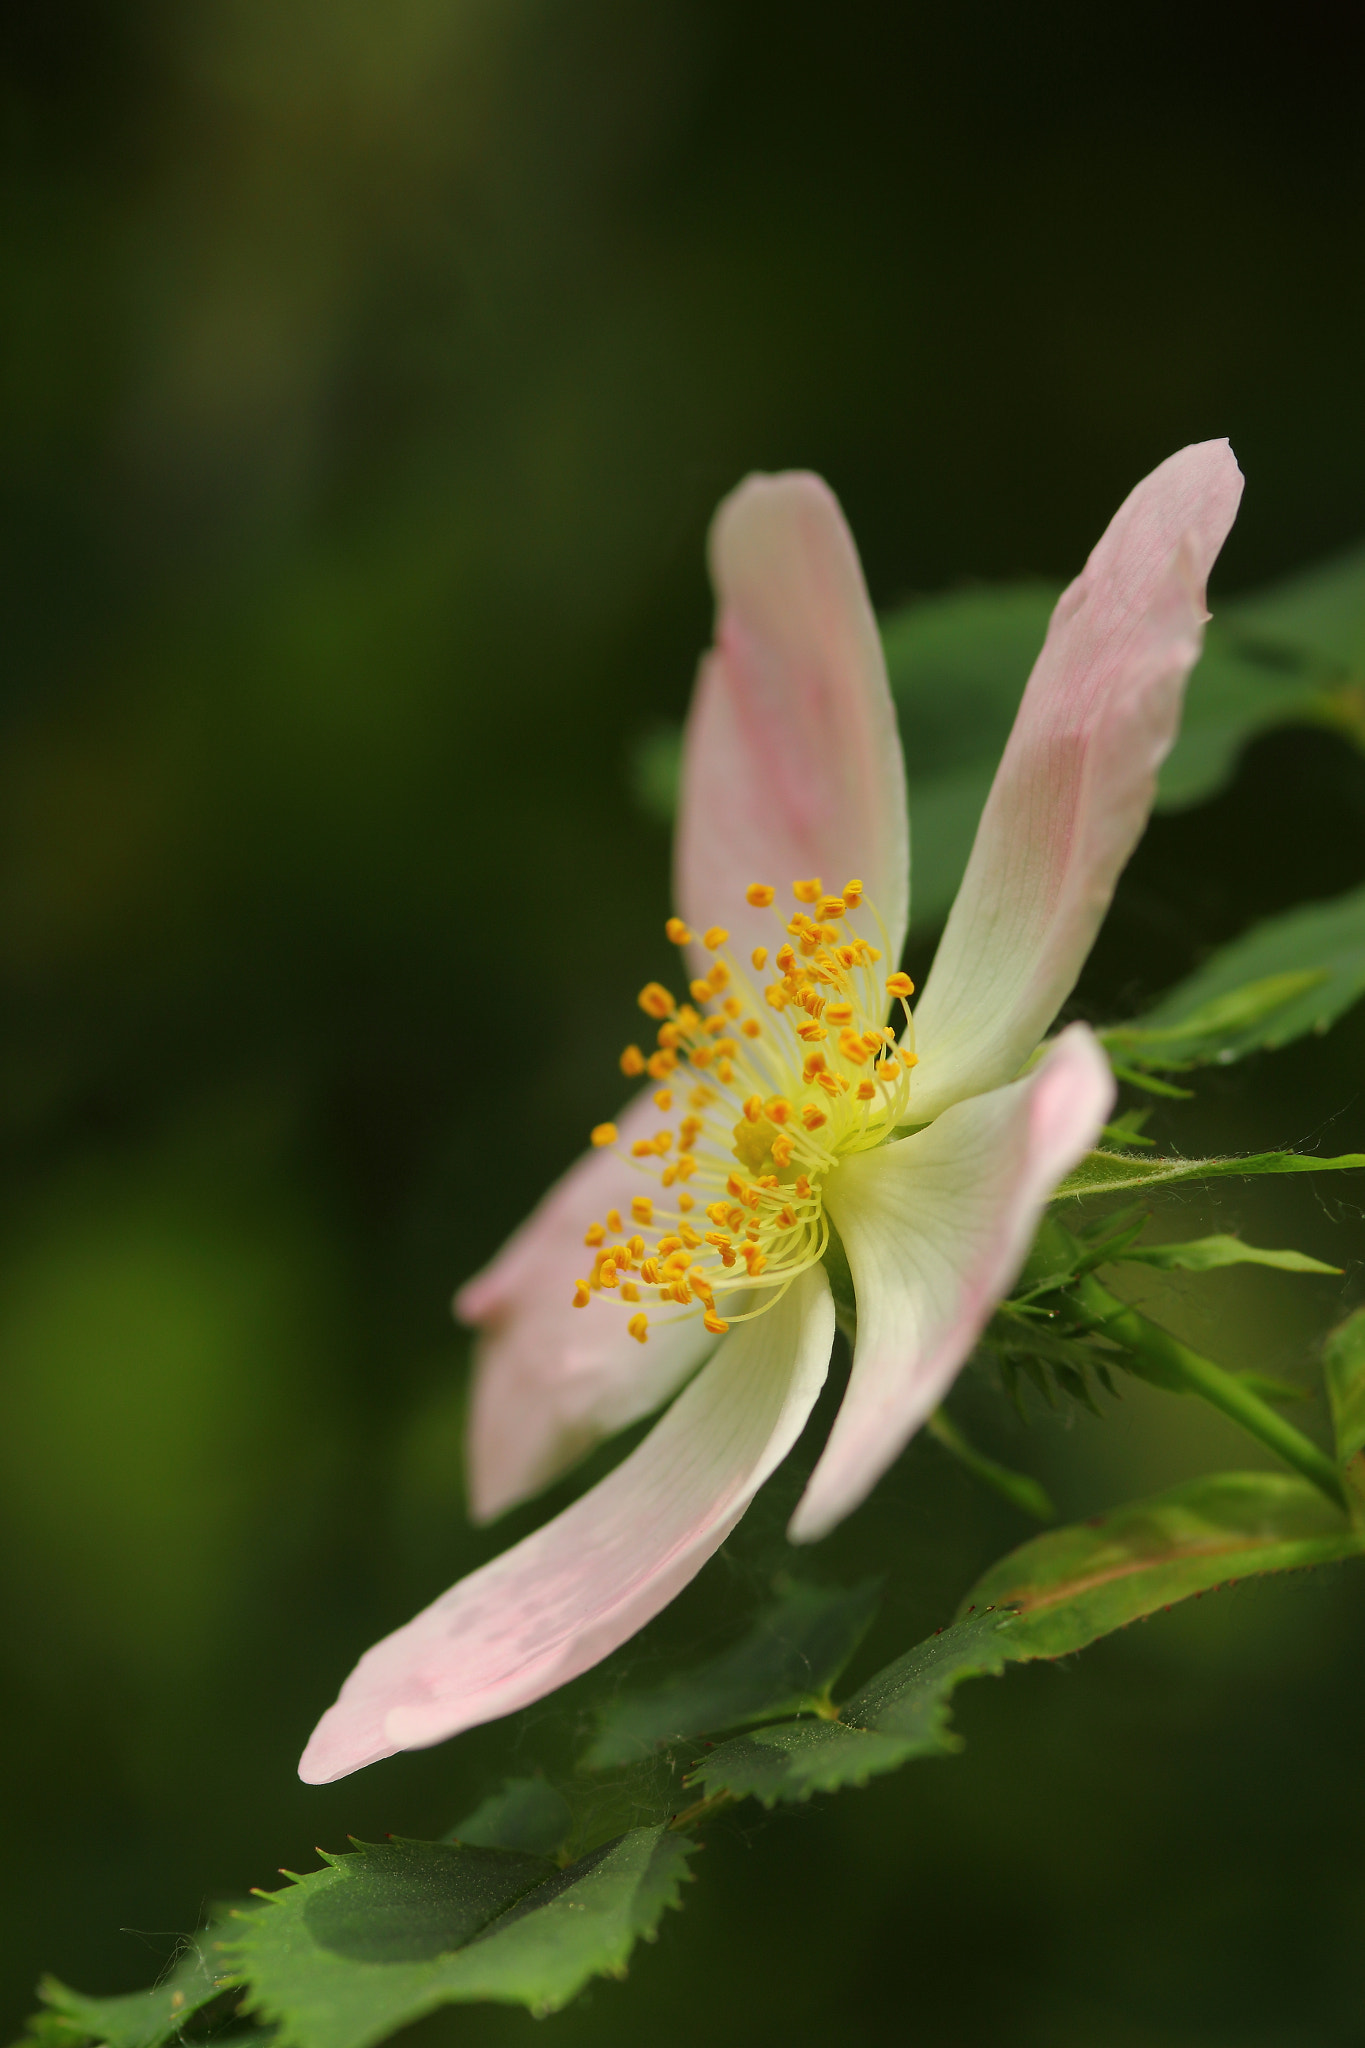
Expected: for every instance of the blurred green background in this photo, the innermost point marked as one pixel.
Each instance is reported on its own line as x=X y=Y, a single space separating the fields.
x=370 y=373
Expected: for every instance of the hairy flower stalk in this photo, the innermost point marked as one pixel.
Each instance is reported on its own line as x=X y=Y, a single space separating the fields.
x=679 y=1266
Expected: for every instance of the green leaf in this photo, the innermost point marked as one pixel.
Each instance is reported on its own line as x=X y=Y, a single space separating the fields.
x=902 y=1713
x=1107 y=1173
x=1074 y=1585
x=527 y=1815
x=352 y=1952
x=1202 y=1254
x=141 y=2019
x=1343 y=1361
x=786 y=1663
x=1282 y=979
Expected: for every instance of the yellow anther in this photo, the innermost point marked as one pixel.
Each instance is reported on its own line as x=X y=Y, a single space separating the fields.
x=614 y=1222
x=655 y=1000
x=753 y=1108
x=629 y=1291
x=786 y=959
x=733 y=1008
x=840 y=1013
x=676 y=1264
x=687 y=1166
x=632 y=1060
x=606 y=1274
x=668 y=1176
x=802 y=1188
x=649 y=1272
x=641 y=1209
x=786 y=1217
x=717 y=1212
x=662 y=1142
x=777 y=1109
x=686 y=1203
x=812 y=1117
x=899 y=985
x=832 y=906
x=751 y=1028
x=714 y=1323
x=719 y=977
x=833 y=1084
x=735 y=1187
x=715 y=937
x=689 y=1130
x=725 y=1073
x=852 y=894
x=866 y=1091
x=581 y=1294
x=700 y=1098
x=660 y=1064
x=755 y=1260
x=670 y=1037
x=735 y=1218
x=667 y=1245
x=689 y=1019
x=715 y=1025
x=639 y=1327
x=759 y=895
x=776 y=995
x=782 y=1148
x=676 y=932
x=689 y=1236
x=807 y=892
x=909 y=1059
x=595 y=1234
x=701 y=1287
x=811 y=1031
x=664 y=1100
x=700 y=991
x=636 y=1248
x=718 y=1239
x=768 y=1180
x=642 y=1149
x=604 y=1134
x=814 y=1064
x=759 y=956
x=854 y=1047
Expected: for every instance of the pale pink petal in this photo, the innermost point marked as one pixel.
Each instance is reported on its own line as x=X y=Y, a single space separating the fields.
x=557 y=1603
x=551 y=1380
x=792 y=762
x=936 y=1228
x=1076 y=781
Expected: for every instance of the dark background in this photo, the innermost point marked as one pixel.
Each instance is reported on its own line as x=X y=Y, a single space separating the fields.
x=370 y=373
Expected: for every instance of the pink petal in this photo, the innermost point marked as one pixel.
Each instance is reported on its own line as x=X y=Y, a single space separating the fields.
x=936 y=1228
x=551 y=1380
x=792 y=765
x=556 y=1604
x=1077 y=779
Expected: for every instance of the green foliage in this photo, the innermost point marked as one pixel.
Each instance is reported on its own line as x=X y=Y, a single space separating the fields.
x=142 y=2019
x=1073 y=1585
x=1109 y=1173
x=352 y=1952
x=1343 y=1361
x=902 y=1713
x=527 y=1815
x=786 y=1664
x=1286 y=977
x=1203 y=1254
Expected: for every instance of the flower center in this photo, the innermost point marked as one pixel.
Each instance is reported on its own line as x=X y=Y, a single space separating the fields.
x=764 y=1087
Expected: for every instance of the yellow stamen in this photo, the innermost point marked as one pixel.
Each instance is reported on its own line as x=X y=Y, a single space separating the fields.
x=807 y=892
x=581 y=1296
x=655 y=1000
x=603 y=1134
x=632 y=1060
x=595 y=1234
x=639 y=1327
x=759 y=895
x=676 y=932
x=900 y=985
x=715 y=938
x=641 y=1209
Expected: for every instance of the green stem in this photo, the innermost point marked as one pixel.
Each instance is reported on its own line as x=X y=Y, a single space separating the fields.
x=1163 y=1359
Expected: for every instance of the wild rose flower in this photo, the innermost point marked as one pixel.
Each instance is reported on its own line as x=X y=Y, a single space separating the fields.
x=781 y=1106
